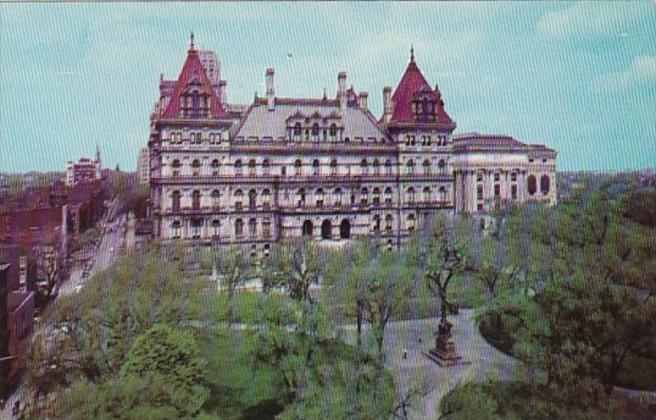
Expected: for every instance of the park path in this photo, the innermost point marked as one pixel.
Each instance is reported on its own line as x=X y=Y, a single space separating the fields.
x=480 y=359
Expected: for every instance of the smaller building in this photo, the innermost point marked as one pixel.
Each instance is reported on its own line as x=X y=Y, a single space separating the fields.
x=84 y=170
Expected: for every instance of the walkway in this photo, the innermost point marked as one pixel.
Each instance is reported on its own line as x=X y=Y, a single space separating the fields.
x=480 y=359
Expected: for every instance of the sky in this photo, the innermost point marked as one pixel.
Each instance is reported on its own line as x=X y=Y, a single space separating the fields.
x=578 y=77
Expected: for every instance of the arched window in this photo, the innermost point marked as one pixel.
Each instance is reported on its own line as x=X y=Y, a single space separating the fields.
x=337 y=196
x=376 y=223
x=215 y=167
x=388 y=222
x=195 y=166
x=364 y=196
x=238 y=167
x=532 y=184
x=442 y=191
x=441 y=165
x=252 y=227
x=175 y=202
x=196 y=225
x=544 y=185
x=363 y=167
x=239 y=196
x=239 y=228
x=315 y=132
x=266 y=199
x=297 y=131
x=376 y=167
x=216 y=197
x=376 y=197
x=252 y=199
x=301 y=197
x=319 y=198
x=307 y=228
x=388 y=196
x=216 y=228
x=251 y=167
x=410 y=167
x=266 y=167
x=316 y=169
x=426 y=166
x=266 y=227
x=333 y=167
x=297 y=167
x=411 y=223
x=326 y=229
x=176 y=229
x=176 y=167
x=333 y=132
x=411 y=195
x=388 y=167
x=195 y=200
x=345 y=229
x=427 y=194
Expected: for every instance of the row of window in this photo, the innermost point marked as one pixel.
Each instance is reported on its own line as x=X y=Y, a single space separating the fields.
x=427 y=140
x=531 y=187
x=214 y=228
x=316 y=167
x=497 y=176
x=301 y=196
x=194 y=138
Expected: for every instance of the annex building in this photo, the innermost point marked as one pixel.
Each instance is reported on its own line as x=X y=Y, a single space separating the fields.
x=326 y=168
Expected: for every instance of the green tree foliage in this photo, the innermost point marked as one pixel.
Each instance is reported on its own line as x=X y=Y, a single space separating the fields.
x=162 y=355
x=94 y=330
x=587 y=307
x=162 y=378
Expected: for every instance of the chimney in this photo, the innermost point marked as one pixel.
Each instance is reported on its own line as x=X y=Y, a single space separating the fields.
x=270 y=93
x=222 y=92
x=341 y=89
x=387 y=104
x=363 y=100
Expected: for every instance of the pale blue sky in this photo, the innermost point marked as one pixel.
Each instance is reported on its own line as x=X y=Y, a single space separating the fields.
x=578 y=77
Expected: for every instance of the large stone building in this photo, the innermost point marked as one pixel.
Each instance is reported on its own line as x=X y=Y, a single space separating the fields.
x=323 y=167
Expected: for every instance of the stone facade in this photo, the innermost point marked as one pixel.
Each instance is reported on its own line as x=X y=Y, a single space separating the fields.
x=322 y=167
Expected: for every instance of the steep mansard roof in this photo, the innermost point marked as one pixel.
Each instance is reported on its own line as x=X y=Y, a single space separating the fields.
x=413 y=83
x=193 y=70
x=260 y=122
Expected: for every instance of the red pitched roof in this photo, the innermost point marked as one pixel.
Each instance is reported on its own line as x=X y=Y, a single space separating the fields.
x=412 y=83
x=193 y=68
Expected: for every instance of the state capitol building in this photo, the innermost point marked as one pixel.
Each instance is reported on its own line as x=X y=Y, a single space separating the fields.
x=325 y=168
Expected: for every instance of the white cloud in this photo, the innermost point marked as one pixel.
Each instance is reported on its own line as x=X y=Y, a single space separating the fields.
x=585 y=19
x=641 y=71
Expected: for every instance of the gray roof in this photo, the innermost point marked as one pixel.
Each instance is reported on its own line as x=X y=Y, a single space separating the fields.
x=260 y=122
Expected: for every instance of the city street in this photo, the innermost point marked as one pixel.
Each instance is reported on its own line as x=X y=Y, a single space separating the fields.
x=111 y=243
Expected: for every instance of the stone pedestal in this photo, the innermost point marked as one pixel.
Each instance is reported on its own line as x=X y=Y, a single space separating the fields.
x=444 y=352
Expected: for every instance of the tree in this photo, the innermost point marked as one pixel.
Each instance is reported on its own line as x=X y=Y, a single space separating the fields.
x=445 y=260
x=298 y=266
x=384 y=294
x=163 y=354
x=234 y=269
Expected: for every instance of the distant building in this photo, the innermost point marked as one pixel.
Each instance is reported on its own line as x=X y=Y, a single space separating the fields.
x=84 y=170
x=143 y=167
x=324 y=168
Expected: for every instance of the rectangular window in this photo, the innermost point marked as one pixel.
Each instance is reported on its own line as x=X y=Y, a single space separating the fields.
x=497 y=190
x=513 y=192
x=479 y=192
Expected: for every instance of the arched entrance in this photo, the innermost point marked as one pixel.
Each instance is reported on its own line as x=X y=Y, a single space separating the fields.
x=307 y=228
x=345 y=229
x=326 y=229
